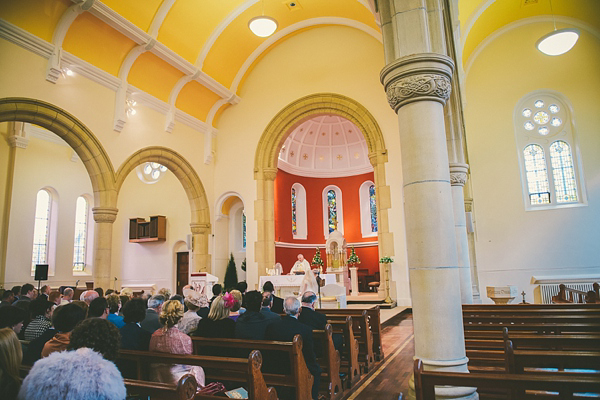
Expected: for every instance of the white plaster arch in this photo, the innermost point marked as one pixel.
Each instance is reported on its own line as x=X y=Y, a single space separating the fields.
x=295 y=27
x=523 y=22
x=470 y=22
x=159 y=17
x=221 y=200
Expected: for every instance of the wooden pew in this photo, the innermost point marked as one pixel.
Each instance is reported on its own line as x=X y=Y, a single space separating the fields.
x=329 y=361
x=185 y=389
x=519 y=309
x=538 y=361
x=362 y=333
x=349 y=353
x=566 y=386
x=374 y=320
x=299 y=378
x=215 y=368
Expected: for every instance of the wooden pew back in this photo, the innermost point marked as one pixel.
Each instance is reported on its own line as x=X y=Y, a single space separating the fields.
x=350 y=349
x=329 y=362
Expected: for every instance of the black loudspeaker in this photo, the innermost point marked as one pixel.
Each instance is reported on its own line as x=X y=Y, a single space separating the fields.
x=41 y=272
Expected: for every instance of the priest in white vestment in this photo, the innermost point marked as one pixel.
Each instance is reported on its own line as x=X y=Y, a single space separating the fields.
x=300 y=266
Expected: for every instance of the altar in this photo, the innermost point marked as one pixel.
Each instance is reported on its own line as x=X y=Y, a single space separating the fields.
x=286 y=285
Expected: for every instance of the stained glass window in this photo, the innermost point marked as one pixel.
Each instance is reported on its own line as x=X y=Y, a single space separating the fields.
x=41 y=228
x=537 y=174
x=373 y=207
x=294 y=223
x=563 y=172
x=79 y=248
x=244 y=229
x=332 y=210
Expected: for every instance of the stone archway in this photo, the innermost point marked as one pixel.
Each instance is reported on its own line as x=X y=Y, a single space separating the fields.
x=265 y=167
x=200 y=214
x=95 y=160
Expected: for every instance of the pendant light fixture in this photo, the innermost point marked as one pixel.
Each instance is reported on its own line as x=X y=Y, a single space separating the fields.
x=558 y=41
x=262 y=26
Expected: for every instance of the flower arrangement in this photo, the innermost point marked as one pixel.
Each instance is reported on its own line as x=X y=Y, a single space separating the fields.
x=353 y=259
x=386 y=260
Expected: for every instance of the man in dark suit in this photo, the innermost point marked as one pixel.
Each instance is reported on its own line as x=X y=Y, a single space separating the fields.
x=267 y=303
x=316 y=320
x=151 y=322
x=133 y=337
x=277 y=306
x=287 y=328
x=251 y=324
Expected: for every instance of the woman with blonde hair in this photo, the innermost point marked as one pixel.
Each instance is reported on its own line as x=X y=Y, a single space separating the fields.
x=11 y=356
x=237 y=309
x=218 y=324
x=169 y=339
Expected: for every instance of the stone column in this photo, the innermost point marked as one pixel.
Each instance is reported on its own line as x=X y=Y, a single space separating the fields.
x=200 y=256
x=104 y=218
x=264 y=214
x=417 y=81
x=458 y=178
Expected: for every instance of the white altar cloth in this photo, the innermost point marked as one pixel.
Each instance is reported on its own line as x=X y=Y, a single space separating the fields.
x=290 y=282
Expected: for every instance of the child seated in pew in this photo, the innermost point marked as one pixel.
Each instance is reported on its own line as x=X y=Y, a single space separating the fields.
x=169 y=339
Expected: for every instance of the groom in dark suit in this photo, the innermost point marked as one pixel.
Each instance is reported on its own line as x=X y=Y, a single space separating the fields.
x=287 y=328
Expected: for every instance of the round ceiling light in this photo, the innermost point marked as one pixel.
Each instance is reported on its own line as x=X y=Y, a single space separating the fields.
x=262 y=26
x=558 y=42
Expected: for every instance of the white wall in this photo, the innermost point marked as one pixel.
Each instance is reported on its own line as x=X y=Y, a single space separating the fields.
x=45 y=164
x=149 y=263
x=513 y=244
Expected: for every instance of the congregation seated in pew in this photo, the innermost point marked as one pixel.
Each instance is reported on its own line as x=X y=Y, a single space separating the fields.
x=218 y=323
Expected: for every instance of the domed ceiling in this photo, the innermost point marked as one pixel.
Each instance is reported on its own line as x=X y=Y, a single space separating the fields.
x=325 y=146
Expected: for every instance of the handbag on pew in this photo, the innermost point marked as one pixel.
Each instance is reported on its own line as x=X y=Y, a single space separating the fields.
x=212 y=389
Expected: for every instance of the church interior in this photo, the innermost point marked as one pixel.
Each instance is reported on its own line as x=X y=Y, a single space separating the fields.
x=439 y=136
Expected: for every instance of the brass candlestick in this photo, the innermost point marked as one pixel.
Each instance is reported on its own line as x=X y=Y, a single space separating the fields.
x=388 y=299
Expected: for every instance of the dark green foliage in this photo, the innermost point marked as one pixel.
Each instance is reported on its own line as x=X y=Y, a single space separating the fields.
x=231 y=278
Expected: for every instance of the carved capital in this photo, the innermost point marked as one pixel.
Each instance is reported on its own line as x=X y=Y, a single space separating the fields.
x=420 y=77
x=269 y=174
x=458 y=174
x=199 y=229
x=418 y=87
x=105 y=214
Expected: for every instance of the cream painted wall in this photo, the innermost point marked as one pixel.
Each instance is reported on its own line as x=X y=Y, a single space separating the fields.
x=44 y=164
x=149 y=263
x=513 y=244
x=327 y=59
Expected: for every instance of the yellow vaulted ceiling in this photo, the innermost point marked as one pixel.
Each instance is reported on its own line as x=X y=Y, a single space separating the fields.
x=36 y=16
x=139 y=12
x=499 y=13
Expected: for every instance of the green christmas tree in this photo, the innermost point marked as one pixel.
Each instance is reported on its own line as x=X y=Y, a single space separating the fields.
x=317 y=261
x=353 y=260
x=231 y=278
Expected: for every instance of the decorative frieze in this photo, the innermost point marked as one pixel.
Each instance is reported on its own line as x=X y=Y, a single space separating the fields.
x=458 y=174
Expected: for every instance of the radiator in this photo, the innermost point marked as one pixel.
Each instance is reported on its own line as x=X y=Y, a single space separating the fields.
x=549 y=290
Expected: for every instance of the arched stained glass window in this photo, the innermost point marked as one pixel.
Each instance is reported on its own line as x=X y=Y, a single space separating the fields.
x=294 y=204
x=41 y=228
x=243 y=229
x=81 y=224
x=373 y=208
x=537 y=174
x=332 y=210
x=563 y=172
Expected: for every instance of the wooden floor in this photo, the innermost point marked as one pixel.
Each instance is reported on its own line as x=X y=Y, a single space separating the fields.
x=390 y=378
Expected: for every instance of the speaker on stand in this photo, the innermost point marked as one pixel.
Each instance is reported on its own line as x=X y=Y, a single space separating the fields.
x=41 y=274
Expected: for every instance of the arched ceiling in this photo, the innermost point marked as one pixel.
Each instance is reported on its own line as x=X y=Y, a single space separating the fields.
x=190 y=54
x=479 y=19
x=325 y=146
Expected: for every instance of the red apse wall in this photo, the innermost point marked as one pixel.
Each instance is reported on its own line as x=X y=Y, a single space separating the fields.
x=314 y=208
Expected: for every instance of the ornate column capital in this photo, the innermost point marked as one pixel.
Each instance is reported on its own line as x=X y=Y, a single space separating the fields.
x=269 y=174
x=199 y=229
x=458 y=174
x=419 y=77
x=105 y=214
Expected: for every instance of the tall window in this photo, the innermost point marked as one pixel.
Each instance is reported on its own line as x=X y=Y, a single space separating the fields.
x=41 y=230
x=331 y=211
x=545 y=132
x=333 y=216
x=81 y=225
x=294 y=225
x=368 y=209
x=299 y=222
x=373 y=208
x=244 y=229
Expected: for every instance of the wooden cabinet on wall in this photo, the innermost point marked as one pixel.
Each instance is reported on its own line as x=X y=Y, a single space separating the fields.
x=141 y=231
